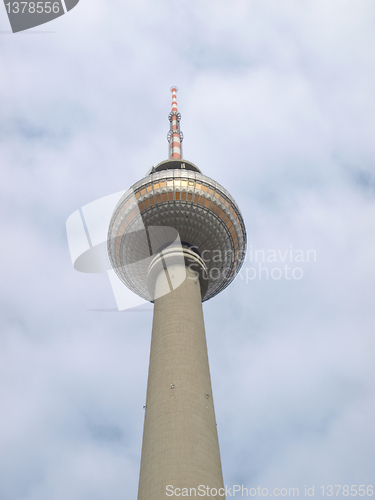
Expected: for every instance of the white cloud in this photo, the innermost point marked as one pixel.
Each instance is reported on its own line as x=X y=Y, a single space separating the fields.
x=277 y=105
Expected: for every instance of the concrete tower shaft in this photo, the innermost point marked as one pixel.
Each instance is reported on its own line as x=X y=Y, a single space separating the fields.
x=180 y=444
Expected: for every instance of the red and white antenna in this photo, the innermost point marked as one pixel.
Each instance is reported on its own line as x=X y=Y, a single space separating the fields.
x=175 y=136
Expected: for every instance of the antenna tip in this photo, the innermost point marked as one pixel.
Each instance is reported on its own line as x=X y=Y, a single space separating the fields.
x=174 y=88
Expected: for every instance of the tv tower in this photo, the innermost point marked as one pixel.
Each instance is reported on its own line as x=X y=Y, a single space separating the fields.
x=177 y=238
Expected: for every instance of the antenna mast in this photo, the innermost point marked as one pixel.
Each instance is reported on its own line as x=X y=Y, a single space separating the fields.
x=175 y=136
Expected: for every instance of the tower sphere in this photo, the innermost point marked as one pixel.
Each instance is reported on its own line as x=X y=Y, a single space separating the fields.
x=176 y=202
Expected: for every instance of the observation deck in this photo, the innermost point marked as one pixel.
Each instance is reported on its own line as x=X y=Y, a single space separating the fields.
x=176 y=204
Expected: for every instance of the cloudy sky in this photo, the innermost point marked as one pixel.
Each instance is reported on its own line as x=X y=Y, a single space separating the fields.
x=277 y=103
